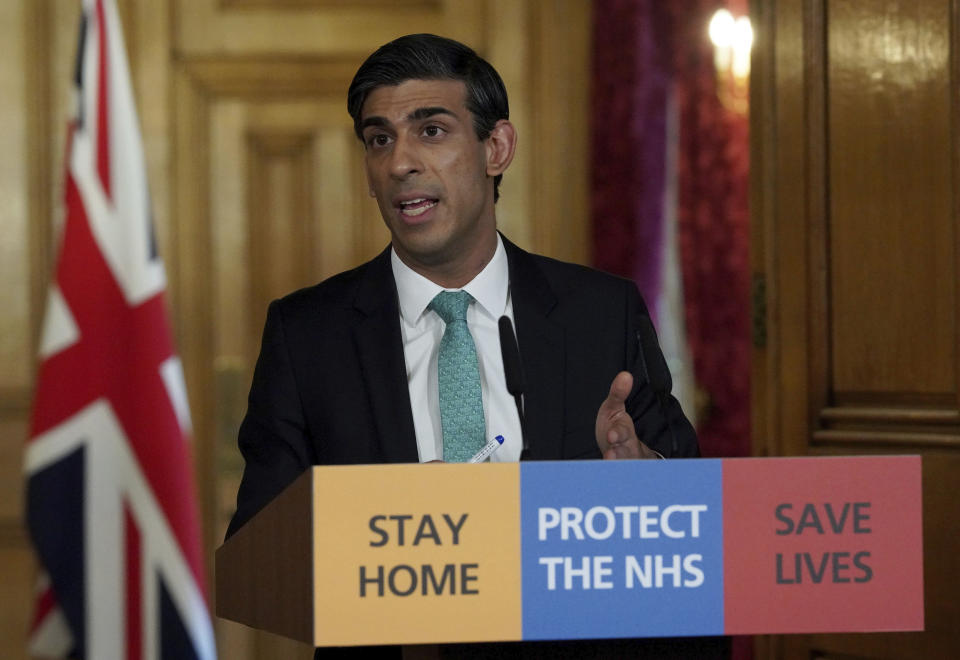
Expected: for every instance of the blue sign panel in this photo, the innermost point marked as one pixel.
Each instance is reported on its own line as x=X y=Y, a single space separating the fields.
x=603 y=557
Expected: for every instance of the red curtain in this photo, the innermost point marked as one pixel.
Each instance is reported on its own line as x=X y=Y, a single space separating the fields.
x=644 y=49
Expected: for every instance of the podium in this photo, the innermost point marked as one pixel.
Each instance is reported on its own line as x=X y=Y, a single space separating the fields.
x=443 y=553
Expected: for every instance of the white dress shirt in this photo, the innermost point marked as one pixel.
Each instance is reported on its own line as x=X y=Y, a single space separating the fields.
x=421 y=330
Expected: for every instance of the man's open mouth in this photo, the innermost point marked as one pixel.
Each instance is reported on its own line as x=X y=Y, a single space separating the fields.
x=414 y=207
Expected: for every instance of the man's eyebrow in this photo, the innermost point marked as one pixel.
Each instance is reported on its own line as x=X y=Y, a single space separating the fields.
x=417 y=115
x=373 y=121
x=424 y=113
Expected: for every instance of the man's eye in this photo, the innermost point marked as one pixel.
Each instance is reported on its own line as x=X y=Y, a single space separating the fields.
x=433 y=131
x=378 y=140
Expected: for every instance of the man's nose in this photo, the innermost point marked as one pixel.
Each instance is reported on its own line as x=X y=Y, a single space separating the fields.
x=405 y=157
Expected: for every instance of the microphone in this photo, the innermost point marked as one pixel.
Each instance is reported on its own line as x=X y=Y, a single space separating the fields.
x=513 y=371
x=658 y=374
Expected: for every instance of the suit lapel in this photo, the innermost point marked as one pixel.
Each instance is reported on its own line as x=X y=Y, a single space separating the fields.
x=542 y=354
x=380 y=349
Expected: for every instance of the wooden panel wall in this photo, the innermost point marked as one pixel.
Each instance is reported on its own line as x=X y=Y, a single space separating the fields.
x=257 y=188
x=29 y=191
x=856 y=145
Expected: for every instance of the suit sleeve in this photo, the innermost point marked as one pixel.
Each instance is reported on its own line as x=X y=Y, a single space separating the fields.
x=273 y=437
x=656 y=413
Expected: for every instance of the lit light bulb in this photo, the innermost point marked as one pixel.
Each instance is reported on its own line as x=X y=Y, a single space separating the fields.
x=722 y=28
x=732 y=41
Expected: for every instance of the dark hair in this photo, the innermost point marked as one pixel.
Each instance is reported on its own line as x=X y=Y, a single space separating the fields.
x=429 y=57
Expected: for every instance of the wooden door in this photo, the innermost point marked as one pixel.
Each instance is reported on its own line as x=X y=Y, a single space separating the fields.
x=856 y=176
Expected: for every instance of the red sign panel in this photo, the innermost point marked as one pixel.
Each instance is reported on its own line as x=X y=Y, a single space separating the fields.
x=818 y=545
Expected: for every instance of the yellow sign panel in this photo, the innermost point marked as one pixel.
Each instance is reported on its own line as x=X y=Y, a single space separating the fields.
x=446 y=560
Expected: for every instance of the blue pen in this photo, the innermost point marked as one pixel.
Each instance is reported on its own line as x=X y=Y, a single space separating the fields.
x=490 y=447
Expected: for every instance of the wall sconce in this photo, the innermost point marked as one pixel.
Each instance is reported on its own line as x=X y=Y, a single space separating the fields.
x=732 y=40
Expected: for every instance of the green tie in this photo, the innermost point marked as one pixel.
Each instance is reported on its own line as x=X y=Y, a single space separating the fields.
x=461 y=403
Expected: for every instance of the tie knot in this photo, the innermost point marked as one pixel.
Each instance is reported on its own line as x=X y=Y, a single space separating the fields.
x=451 y=305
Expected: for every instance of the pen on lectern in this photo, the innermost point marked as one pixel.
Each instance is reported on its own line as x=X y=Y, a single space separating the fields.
x=488 y=449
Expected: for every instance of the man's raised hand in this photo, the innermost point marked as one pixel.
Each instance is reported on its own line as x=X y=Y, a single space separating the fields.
x=616 y=436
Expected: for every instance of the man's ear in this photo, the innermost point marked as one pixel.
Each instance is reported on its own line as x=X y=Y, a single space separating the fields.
x=500 y=145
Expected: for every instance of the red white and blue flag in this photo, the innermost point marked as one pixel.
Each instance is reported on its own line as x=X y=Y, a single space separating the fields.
x=110 y=498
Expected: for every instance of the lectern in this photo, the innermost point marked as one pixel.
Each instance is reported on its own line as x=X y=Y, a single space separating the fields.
x=442 y=553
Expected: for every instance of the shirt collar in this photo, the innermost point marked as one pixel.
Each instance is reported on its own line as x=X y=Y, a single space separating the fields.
x=489 y=288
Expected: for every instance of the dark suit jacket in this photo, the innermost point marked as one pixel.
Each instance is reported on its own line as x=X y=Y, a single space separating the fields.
x=330 y=386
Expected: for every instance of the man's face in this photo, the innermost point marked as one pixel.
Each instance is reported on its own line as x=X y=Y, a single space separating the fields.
x=429 y=173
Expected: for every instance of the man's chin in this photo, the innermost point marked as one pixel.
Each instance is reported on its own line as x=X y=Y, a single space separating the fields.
x=437 y=247
x=424 y=259
x=422 y=248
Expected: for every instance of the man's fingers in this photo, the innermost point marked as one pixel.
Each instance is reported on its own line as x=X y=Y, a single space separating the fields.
x=617 y=434
x=619 y=389
x=614 y=426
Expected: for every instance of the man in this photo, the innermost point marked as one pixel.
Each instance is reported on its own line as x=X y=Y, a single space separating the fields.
x=353 y=369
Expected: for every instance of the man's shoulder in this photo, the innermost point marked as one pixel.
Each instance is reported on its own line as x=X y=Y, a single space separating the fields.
x=339 y=292
x=565 y=277
x=565 y=271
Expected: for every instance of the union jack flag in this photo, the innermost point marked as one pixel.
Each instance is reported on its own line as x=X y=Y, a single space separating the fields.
x=110 y=499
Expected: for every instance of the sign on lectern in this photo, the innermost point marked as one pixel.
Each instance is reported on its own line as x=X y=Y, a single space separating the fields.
x=573 y=550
